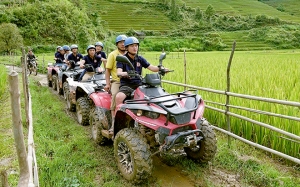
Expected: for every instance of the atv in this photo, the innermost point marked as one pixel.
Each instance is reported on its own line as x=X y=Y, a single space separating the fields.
x=84 y=96
x=62 y=83
x=154 y=121
x=32 y=67
x=52 y=73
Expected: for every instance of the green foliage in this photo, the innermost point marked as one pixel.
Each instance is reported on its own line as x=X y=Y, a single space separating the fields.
x=55 y=21
x=10 y=38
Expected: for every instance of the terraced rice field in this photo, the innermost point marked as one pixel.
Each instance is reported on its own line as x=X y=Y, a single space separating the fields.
x=249 y=7
x=125 y=16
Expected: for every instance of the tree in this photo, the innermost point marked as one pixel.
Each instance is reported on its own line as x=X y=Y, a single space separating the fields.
x=210 y=11
x=10 y=37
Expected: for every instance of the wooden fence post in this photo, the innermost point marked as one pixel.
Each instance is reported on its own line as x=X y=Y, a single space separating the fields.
x=18 y=128
x=4 y=179
x=25 y=85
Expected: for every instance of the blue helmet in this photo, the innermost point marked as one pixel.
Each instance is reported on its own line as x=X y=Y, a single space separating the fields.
x=66 y=48
x=74 y=46
x=120 y=38
x=131 y=40
x=90 y=47
x=99 y=44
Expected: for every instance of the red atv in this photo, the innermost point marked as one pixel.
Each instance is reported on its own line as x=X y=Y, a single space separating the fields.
x=155 y=120
x=52 y=74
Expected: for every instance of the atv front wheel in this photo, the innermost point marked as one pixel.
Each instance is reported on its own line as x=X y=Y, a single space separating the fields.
x=83 y=111
x=99 y=121
x=54 y=82
x=133 y=155
x=207 y=148
x=65 y=89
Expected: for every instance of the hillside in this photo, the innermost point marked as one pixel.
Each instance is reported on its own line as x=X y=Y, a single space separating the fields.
x=176 y=25
x=232 y=21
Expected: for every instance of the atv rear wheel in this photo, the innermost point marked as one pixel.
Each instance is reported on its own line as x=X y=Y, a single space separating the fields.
x=70 y=105
x=54 y=82
x=49 y=82
x=58 y=89
x=133 y=155
x=83 y=111
x=99 y=121
x=207 y=148
x=65 y=89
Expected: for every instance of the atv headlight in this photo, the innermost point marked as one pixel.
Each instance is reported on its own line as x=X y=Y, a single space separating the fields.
x=152 y=115
x=139 y=113
x=149 y=114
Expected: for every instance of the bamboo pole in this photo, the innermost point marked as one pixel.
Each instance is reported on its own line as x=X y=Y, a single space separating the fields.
x=228 y=90
x=18 y=129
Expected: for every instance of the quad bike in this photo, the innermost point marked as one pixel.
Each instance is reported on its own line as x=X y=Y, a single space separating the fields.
x=32 y=67
x=62 y=83
x=52 y=73
x=84 y=96
x=154 y=120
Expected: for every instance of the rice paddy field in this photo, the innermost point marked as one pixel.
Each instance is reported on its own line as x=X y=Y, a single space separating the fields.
x=271 y=74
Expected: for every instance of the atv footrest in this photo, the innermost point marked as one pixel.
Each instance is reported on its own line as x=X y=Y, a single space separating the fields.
x=106 y=134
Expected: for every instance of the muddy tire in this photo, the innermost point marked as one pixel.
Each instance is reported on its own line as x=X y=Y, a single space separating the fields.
x=132 y=155
x=70 y=105
x=59 y=90
x=83 y=111
x=49 y=82
x=207 y=148
x=99 y=121
x=65 y=90
x=54 y=82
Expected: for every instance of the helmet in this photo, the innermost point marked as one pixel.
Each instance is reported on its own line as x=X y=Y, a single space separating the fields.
x=131 y=40
x=66 y=48
x=99 y=44
x=58 y=47
x=74 y=46
x=120 y=38
x=90 y=47
x=61 y=49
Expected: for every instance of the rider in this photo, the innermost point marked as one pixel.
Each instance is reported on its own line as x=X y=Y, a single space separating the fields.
x=57 y=50
x=111 y=70
x=99 y=47
x=90 y=58
x=67 y=49
x=59 y=58
x=30 y=56
x=75 y=56
x=129 y=84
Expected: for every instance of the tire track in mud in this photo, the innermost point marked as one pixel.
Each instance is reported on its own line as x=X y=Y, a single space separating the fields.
x=164 y=174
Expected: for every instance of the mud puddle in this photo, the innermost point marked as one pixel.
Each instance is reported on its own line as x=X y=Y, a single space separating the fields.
x=169 y=176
